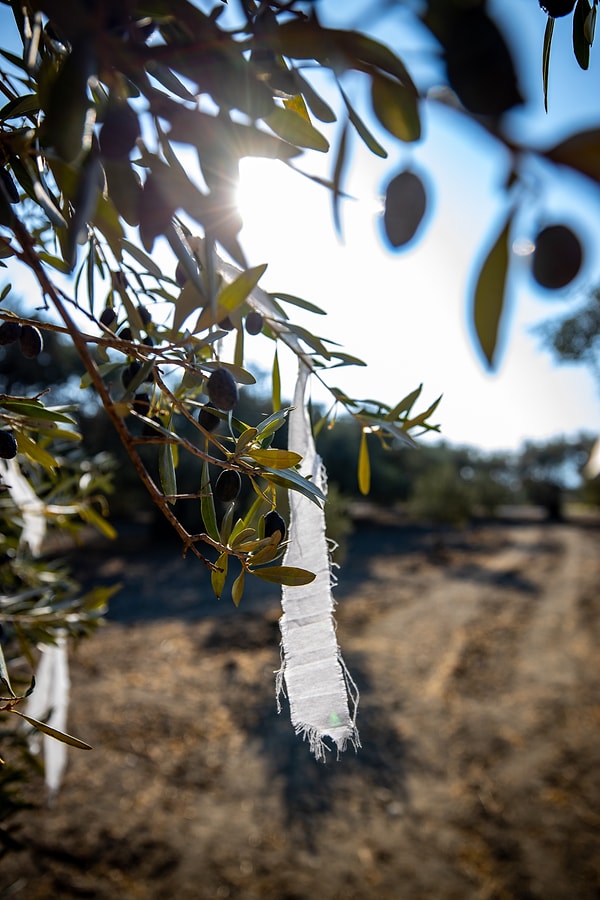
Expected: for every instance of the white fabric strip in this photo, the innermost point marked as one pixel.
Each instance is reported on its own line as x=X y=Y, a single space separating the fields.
x=50 y=703
x=322 y=696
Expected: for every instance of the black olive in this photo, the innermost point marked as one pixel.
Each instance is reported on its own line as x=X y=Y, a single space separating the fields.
x=557 y=8
x=9 y=332
x=119 y=132
x=31 y=340
x=222 y=389
x=8 y=445
x=557 y=257
x=141 y=404
x=108 y=316
x=254 y=322
x=274 y=522
x=129 y=372
x=207 y=419
x=145 y=315
x=228 y=486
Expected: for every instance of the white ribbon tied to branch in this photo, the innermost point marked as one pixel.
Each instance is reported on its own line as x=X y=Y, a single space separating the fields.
x=50 y=700
x=322 y=696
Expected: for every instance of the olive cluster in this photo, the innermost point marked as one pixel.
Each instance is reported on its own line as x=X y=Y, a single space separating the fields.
x=222 y=392
x=31 y=342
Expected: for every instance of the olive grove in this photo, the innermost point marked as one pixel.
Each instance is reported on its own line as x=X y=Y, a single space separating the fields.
x=104 y=105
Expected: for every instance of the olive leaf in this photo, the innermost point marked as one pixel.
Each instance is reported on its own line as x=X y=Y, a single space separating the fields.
x=548 y=32
x=207 y=505
x=288 y=575
x=364 y=465
x=490 y=294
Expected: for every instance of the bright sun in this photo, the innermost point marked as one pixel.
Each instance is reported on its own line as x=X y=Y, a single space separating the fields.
x=267 y=188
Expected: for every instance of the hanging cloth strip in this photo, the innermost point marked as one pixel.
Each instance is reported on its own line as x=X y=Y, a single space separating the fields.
x=322 y=696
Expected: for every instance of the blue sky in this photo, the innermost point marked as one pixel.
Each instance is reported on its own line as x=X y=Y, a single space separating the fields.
x=406 y=314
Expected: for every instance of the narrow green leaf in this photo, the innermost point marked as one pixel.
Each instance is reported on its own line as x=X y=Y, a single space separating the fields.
x=364 y=465
x=234 y=293
x=238 y=353
x=293 y=127
x=237 y=588
x=33 y=409
x=240 y=536
x=276 y=459
x=231 y=297
x=53 y=732
x=338 y=171
x=396 y=107
x=55 y=262
x=168 y=79
x=246 y=437
x=292 y=480
x=421 y=418
x=88 y=514
x=20 y=106
x=272 y=423
x=35 y=452
x=142 y=258
x=207 y=505
x=266 y=553
x=4 y=677
x=298 y=301
x=218 y=576
x=320 y=110
x=275 y=386
x=489 y=294
x=288 y=575
x=166 y=470
x=362 y=130
x=548 y=32
x=405 y=405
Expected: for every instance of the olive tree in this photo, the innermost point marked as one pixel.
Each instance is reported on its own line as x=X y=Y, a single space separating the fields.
x=121 y=134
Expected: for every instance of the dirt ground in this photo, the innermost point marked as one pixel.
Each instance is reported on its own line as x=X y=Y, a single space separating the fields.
x=476 y=655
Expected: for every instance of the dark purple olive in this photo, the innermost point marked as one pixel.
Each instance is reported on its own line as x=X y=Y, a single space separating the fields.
x=226 y=324
x=129 y=372
x=141 y=404
x=108 y=316
x=273 y=523
x=119 y=132
x=222 y=389
x=207 y=419
x=8 y=445
x=557 y=257
x=228 y=486
x=126 y=334
x=9 y=332
x=557 y=8
x=31 y=341
x=145 y=315
x=405 y=206
x=254 y=322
